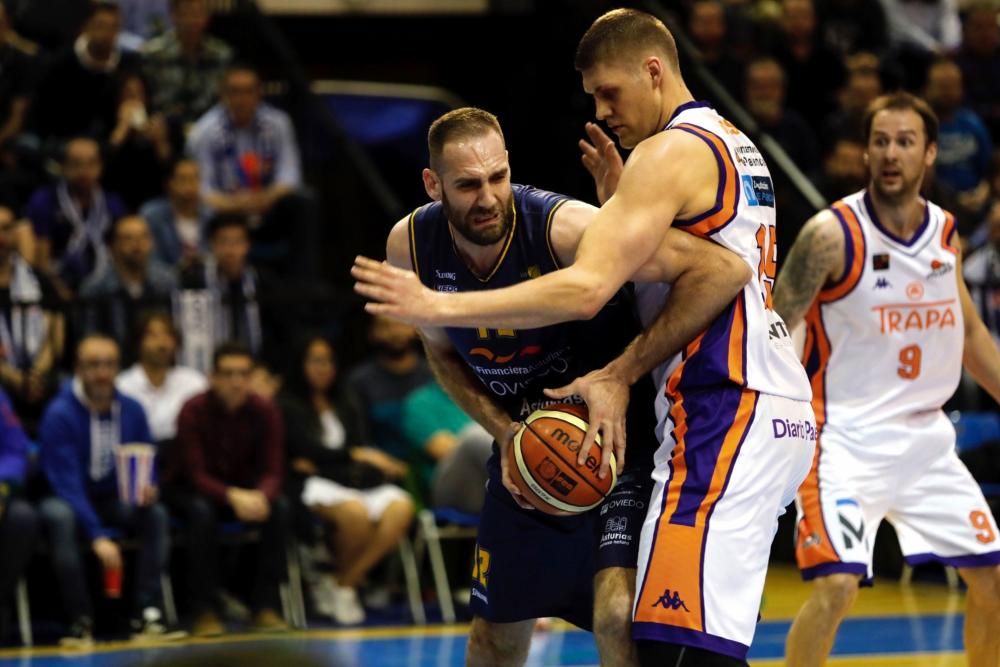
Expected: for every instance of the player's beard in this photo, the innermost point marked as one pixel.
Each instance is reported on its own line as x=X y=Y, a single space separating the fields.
x=465 y=225
x=907 y=189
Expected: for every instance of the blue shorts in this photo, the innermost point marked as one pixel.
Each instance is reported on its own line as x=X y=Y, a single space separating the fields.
x=529 y=564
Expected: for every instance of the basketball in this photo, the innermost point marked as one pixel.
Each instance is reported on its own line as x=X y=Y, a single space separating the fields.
x=544 y=466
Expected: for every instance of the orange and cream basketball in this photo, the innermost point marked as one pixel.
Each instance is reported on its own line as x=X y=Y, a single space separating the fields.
x=544 y=462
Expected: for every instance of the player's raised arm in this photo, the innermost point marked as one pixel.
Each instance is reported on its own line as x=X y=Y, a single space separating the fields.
x=624 y=234
x=816 y=257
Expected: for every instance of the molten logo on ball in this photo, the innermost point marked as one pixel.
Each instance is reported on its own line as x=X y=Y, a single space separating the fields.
x=564 y=437
x=572 y=445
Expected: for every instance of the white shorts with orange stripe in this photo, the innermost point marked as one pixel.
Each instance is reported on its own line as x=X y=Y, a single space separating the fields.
x=905 y=471
x=730 y=461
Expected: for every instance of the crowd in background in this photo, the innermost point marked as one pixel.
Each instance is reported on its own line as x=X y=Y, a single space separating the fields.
x=148 y=189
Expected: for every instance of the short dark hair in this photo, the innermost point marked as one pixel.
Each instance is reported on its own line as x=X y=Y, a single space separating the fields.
x=98 y=6
x=222 y=221
x=240 y=66
x=84 y=138
x=902 y=101
x=112 y=230
x=622 y=32
x=230 y=348
x=146 y=320
x=460 y=123
x=97 y=335
x=177 y=162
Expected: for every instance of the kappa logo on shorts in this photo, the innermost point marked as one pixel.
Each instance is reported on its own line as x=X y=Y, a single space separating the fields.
x=814 y=540
x=671 y=601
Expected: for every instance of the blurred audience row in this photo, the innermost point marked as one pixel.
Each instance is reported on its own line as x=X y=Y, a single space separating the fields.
x=806 y=70
x=240 y=447
x=91 y=131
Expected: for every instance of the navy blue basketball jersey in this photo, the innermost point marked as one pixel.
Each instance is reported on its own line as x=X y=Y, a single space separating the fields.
x=516 y=365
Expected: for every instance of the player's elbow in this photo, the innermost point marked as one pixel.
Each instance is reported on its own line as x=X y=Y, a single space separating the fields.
x=590 y=302
x=729 y=273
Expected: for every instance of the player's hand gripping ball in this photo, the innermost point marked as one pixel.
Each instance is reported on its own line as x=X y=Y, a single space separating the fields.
x=543 y=462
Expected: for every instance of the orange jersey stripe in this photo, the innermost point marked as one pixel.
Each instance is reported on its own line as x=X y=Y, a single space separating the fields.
x=675 y=377
x=724 y=210
x=816 y=357
x=948 y=234
x=813 y=545
x=856 y=239
x=736 y=343
x=682 y=546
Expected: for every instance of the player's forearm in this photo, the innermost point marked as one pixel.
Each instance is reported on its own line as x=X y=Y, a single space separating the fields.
x=982 y=359
x=696 y=298
x=467 y=391
x=562 y=296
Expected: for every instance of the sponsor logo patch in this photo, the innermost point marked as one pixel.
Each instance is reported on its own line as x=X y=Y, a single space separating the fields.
x=758 y=190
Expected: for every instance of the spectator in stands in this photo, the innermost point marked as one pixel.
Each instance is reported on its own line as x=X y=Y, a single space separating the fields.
x=19 y=71
x=52 y=24
x=179 y=221
x=221 y=297
x=929 y=25
x=31 y=328
x=155 y=380
x=112 y=298
x=850 y=26
x=982 y=274
x=864 y=84
x=813 y=70
x=451 y=449
x=231 y=444
x=707 y=27
x=381 y=384
x=341 y=481
x=185 y=65
x=139 y=150
x=844 y=170
x=18 y=519
x=249 y=161
x=765 y=100
x=78 y=94
x=979 y=60
x=142 y=20
x=71 y=218
x=964 y=145
x=80 y=433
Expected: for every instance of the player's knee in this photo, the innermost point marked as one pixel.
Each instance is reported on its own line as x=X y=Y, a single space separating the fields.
x=492 y=646
x=984 y=588
x=837 y=593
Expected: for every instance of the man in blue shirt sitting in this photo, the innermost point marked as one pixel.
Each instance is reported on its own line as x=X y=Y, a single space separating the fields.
x=80 y=434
